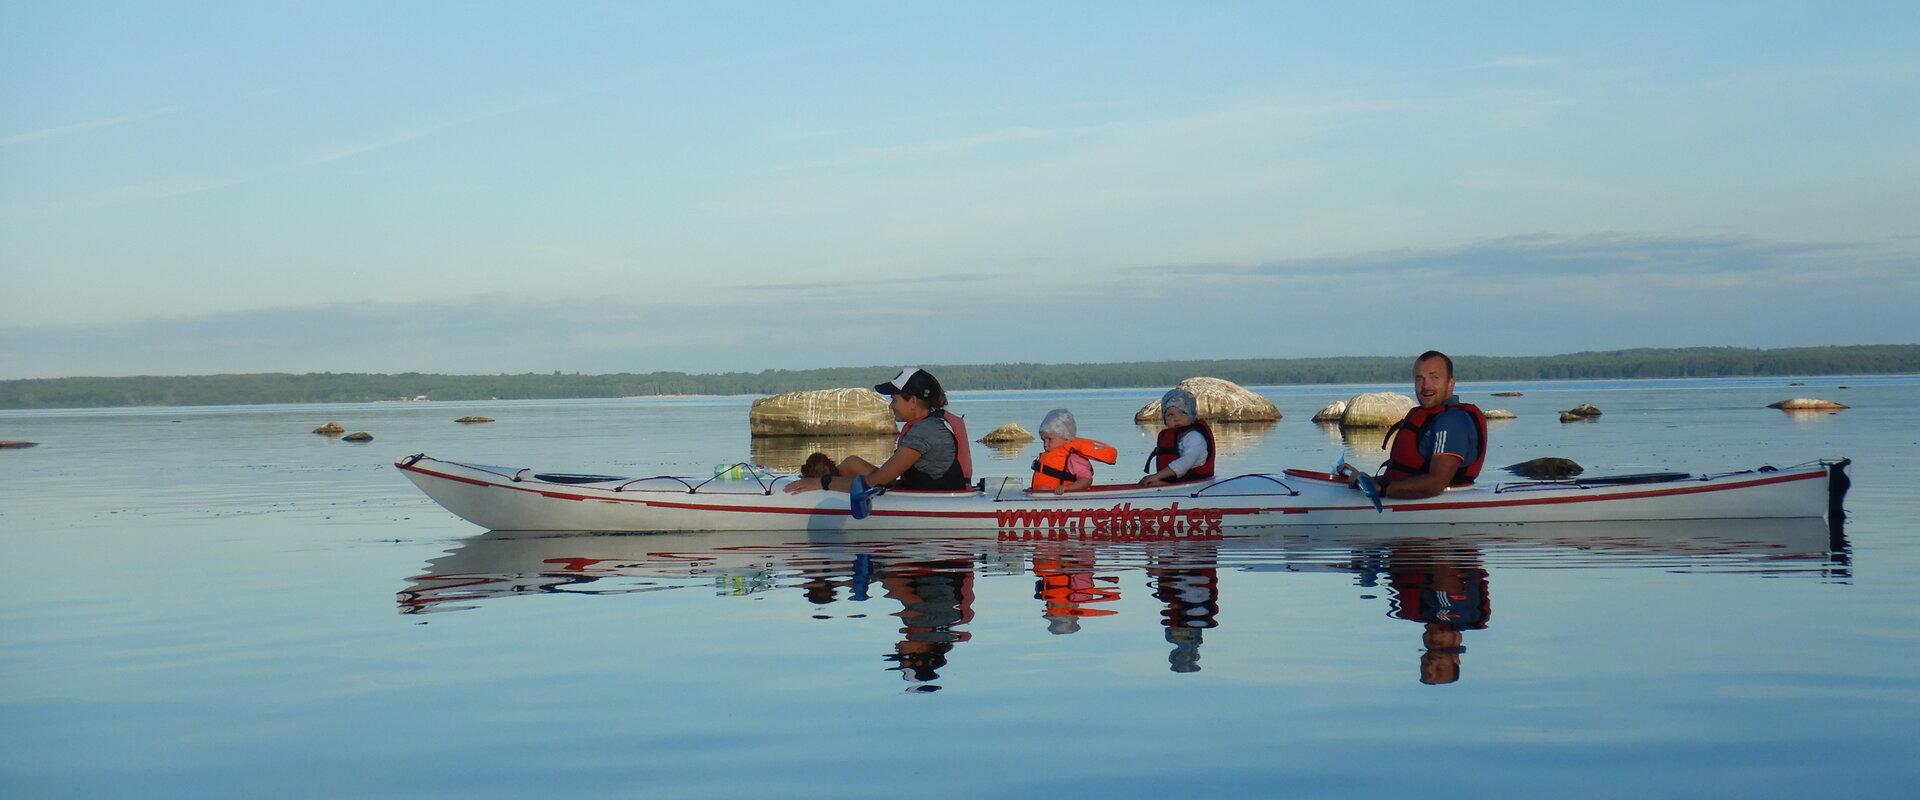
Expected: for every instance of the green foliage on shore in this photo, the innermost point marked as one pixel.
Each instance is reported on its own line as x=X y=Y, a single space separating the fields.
x=329 y=387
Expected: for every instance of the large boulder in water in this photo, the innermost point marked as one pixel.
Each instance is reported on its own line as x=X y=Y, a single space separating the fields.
x=1498 y=413
x=1586 y=410
x=822 y=412
x=1808 y=404
x=1332 y=412
x=362 y=436
x=1376 y=410
x=330 y=429
x=1219 y=401
x=1546 y=468
x=1010 y=433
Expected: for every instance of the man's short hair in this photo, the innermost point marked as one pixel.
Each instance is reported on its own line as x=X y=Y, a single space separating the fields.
x=1439 y=355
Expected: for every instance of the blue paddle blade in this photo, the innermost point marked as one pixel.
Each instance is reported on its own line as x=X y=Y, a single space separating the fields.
x=862 y=503
x=1365 y=484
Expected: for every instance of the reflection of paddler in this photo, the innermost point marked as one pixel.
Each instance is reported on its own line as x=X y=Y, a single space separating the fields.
x=1448 y=597
x=935 y=597
x=1065 y=585
x=1192 y=596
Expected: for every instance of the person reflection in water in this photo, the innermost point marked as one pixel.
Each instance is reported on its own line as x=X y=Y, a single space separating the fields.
x=1067 y=589
x=1447 y=592
x=1192 y=595
x=935 y=598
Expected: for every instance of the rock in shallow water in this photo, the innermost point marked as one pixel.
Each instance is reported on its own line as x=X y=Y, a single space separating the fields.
x=473 y=420
x=1219 y=401
x=1376 y=410
x=1498 y=413
x=330 y=429
x=1009 y=433
x=1584 y=410
x=362 y=436
x=1546 y=468
x=822 y=412
x=1808 y=404
x=1332 y=413
x=14 y=444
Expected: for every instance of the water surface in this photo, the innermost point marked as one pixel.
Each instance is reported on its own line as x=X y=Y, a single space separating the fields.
x=214 y=602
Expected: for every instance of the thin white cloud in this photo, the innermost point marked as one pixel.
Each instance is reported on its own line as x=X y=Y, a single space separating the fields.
x=1517 y=62
x=83 y=127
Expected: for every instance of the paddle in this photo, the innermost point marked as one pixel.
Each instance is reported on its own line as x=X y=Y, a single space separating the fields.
x=1361 y=481
x=860 y=497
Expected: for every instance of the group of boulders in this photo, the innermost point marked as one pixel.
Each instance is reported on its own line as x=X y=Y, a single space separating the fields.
x=335 y=429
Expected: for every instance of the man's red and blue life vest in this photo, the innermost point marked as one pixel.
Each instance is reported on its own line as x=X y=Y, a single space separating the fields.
x=1404 y=459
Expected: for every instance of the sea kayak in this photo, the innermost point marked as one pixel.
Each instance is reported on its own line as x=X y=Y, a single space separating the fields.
x=520 y=499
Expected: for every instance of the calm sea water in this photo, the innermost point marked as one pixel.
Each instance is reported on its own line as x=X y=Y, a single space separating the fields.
x=214 y=602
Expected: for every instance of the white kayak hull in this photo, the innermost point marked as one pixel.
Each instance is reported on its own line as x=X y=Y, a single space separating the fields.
x=511 y=499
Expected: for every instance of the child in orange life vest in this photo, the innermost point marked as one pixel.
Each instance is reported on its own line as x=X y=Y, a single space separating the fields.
x=1065 y=462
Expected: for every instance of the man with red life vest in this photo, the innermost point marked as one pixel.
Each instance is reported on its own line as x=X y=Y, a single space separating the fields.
x=1184 y=450
x=931 y=454
x=1066 y=460
x=1441 y=442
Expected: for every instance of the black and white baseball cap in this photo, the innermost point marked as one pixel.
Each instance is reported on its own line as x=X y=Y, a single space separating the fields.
x=912 y=382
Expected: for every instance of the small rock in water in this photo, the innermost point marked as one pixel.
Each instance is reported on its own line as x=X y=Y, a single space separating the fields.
x=1584 y=410
x=1568 y=416
x=472 y=420
x=362 y=436
x=1498 y=413
x=1008 y=433
x=1549 y=468
x=1508 y=394
x=330 y=429
x=10 y=444
x=1797 y=383
x=1808 y=404
x=1332 y=413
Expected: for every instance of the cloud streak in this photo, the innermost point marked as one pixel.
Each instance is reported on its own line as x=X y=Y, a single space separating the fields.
x=1549 y=255
x=84 y=127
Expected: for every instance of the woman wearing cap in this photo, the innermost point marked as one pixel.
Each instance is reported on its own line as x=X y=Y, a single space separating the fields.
x=1184 y=451
x=931 y=454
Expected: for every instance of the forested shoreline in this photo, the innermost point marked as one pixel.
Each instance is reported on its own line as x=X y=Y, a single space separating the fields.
x=330 y=387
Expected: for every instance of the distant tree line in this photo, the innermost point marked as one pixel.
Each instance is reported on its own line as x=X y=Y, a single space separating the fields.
x=331 y=387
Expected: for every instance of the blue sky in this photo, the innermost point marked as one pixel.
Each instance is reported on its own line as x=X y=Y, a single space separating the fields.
x=192 y=188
